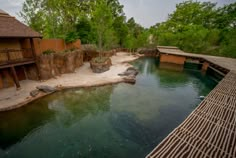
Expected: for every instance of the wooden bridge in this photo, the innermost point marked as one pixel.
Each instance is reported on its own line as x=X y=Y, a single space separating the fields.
x=209 y=131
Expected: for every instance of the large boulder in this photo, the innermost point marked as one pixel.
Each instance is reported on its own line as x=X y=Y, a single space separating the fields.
x=131 y=71
x=130 y=75
x=100 y=67
x=46 y=89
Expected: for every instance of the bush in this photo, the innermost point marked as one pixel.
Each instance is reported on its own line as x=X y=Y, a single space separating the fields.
x=49 y=51
x=100 y=59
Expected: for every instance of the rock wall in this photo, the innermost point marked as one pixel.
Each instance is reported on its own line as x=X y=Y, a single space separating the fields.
x=59 y=63
x=31 y=72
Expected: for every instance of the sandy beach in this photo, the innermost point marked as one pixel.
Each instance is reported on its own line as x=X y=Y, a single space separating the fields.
x=10 y=98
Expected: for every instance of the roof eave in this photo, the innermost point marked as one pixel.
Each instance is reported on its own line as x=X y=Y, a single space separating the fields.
x=21 y=36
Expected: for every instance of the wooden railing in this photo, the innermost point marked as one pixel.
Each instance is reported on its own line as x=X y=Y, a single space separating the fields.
x=15 y=55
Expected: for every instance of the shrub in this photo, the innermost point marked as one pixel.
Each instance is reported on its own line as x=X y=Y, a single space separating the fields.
x=49 y=51
x=100 y=59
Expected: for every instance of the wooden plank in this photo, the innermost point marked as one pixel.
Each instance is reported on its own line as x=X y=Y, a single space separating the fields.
x=17 y=63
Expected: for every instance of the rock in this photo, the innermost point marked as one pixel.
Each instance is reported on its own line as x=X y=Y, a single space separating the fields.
x=79 y=58
x=34 y=93
x=46 y=89
x=130 y=79
x=100 y=67
x=70 y=62
x=130 y=75
x=45 y=65
x=129 y=72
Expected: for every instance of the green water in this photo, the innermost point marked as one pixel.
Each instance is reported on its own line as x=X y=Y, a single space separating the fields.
x=115 y=121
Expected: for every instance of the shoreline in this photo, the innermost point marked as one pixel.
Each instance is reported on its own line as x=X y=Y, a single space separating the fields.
x=83 y=77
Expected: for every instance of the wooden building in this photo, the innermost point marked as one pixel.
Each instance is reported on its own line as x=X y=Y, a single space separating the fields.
x=17 y=51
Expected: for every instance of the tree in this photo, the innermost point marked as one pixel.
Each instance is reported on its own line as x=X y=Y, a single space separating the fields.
x=102 y=22
x=84 y=31
x=195 y=13
x=226 y=17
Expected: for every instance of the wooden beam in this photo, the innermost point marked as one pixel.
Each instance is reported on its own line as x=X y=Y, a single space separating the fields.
x=35 y=56
x=32 y=48
x=15 y=78
x=31 y=61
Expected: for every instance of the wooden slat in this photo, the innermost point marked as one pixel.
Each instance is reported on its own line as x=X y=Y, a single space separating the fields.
x=209 y=131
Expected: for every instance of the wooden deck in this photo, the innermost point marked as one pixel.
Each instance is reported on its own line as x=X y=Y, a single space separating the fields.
x=210 y=130
x=227 y=63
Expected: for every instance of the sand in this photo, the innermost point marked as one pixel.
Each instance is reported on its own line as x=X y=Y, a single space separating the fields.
x=10 y=98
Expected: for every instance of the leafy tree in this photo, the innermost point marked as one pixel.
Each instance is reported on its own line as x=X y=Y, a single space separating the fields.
x=226 y=17
x=84 y=31
x=199 y=27
x=194 y=12
x=102 y=22
x=121 y=29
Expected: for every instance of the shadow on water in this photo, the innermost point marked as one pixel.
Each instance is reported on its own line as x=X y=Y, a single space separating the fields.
x=111 y=121
x=61 y=106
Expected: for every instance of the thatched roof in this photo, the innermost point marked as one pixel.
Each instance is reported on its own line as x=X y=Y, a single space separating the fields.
x=12 y=28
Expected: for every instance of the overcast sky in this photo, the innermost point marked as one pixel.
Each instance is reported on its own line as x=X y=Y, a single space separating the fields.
x=145 y=12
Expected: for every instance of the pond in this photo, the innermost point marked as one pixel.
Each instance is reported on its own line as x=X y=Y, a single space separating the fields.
x=115 y=121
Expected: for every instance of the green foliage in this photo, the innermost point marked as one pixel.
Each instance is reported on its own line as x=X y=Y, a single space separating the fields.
x=199 y=27
x=71 y=37
x=228 y=45
x=100 y=22
x=100 y=59
x=49 y=51
x=84 y=31
x=194 y=26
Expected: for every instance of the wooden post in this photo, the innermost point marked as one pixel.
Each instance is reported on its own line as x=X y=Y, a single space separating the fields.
x=32 y=48
x=205 y=66
x=35 y=56
x=15 y=78
x=8 y=55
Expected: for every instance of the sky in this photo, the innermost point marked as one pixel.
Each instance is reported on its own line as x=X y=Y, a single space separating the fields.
x=145 y=12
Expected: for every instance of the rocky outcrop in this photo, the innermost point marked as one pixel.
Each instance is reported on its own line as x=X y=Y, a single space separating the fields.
x=59 y=63
x=131 y=71
x=46 y=89
x=129 y=75
x=34 y=93
x=99 y=67
x=79 y=58
x=45 y=65
x=70 y=62
x=42 y=89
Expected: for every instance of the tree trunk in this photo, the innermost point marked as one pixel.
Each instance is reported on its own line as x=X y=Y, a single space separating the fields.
x=100 y=44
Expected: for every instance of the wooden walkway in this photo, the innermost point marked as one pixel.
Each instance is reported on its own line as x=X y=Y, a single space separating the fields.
x=209 y=131
x=227 y=63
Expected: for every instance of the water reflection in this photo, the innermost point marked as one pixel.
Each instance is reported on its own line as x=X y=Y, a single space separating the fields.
x=65 y=108
x=15 y=125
